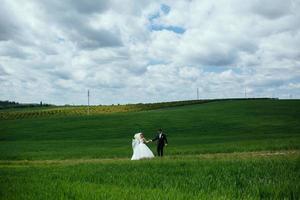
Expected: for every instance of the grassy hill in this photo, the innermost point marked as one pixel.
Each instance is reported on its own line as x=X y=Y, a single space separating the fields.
x=87 y=157
x=223 y=126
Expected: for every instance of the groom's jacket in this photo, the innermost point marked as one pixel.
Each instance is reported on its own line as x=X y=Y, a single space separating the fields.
x=162 y=140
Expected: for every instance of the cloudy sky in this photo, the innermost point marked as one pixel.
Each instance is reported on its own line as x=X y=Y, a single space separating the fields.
x=147 y=51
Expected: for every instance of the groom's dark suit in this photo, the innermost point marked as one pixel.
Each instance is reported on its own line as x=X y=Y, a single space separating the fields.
x=161 y=141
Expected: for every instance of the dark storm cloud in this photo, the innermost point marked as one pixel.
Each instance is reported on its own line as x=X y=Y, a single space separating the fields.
x=8 y=27
x=13 y=51
x=73 y=17
x=84 y=7
x=271 y=82
x=272 y=9
x=3 y=72
x=228 y=54
x=59 y=74
x=90 y=6
x=6 y=30
x=89 y=38
x=217 y=59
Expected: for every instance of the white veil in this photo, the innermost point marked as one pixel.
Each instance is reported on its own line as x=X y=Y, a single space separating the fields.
x=136 y=140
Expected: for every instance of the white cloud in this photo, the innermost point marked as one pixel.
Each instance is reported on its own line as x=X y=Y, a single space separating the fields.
x=54 y=51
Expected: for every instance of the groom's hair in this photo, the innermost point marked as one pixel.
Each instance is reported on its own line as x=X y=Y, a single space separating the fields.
x=160 y=130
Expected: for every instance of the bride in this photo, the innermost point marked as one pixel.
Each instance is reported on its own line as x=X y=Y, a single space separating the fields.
x=140 y=149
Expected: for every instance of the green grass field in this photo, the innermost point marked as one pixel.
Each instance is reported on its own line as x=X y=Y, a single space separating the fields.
x=238 y=149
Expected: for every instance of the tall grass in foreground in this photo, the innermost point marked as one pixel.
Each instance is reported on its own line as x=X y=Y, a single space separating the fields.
x=275 y=177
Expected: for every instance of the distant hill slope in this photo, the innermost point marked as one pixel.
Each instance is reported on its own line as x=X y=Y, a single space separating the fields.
x=18 y=111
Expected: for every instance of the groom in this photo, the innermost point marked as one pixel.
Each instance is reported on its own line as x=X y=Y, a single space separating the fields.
x=161 y=142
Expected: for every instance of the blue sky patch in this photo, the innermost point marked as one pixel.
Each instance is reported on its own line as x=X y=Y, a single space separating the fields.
x=165 y=8
x=153 y=16
x=220 y=69
x=156 y=62
x=175 y=29
x=159 y=27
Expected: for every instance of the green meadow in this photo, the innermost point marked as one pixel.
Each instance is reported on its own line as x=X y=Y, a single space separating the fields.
x=233 y=149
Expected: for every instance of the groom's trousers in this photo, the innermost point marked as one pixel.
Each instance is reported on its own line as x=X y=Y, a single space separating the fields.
x=160 y=149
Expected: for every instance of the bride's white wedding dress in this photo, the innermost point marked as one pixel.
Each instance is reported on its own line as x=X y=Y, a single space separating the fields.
x=140 y=150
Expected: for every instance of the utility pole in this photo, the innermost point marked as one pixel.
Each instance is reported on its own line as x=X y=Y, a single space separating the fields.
x=197 y=93
x=88 y=94
x=245 y=93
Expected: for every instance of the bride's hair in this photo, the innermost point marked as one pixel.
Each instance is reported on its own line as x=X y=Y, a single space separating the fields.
x=137 y=136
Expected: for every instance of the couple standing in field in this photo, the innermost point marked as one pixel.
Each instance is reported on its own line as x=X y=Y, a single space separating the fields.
x=141 y=150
